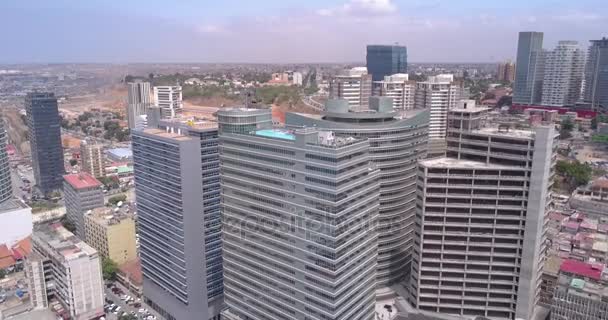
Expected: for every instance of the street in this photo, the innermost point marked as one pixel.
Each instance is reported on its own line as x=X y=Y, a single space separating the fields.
x=125 y=307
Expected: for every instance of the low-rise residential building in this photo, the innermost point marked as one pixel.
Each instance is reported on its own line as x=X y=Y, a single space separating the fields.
x=592 y=199
x=111 y=233
x=67 y=269
x=581 y=292
x=82 y=192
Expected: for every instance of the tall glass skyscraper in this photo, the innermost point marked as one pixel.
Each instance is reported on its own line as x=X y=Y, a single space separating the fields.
x=386 y=60
x=596 y=74
x=529 y=68
x=45 y=140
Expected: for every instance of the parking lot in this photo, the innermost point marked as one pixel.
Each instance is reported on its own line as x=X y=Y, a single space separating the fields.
x=116 y=295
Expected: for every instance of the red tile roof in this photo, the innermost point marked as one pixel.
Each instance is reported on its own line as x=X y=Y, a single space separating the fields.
x=81 y=180
x=6 y=257
x=582 y=269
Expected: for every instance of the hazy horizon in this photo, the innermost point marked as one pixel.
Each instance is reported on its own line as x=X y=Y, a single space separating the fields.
x=285 y=31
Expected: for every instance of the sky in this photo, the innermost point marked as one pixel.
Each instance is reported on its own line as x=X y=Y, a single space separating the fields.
x=285 y=31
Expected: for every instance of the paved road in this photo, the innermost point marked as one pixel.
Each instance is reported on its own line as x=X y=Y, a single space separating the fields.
x=124 y=307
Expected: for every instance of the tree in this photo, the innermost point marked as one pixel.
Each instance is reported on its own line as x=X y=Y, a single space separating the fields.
x=565 y=134
x=117 y=198
x=574 y=173
x=73 y=162
x=109 y=269
x=599 y=119
x=127 y=316
x=565 y=131
x=2 y=273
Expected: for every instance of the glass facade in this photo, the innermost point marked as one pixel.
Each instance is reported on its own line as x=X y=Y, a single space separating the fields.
x=596 y=73
x=529 y=68
x=45 y=140
x=386 y=60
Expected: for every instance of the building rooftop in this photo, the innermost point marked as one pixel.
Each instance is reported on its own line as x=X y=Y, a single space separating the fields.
x=506 y=132
x=588 y=270
x=82 y=180
x=189 y=122
x=459 y=163
x=165 y=134
x=276 y=133
x=122 y=152
x=107 y=216
x=62 y=242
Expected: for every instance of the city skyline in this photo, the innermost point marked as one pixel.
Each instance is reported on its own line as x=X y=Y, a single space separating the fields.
x=328 y=31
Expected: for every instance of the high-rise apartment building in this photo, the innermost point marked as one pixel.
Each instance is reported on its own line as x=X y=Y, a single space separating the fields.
x=506 y=71
x=596 y=74
x=396 y=144
x=438 y=94
x=481 y=212
x=355 y=87
x=169 y=100
x=82 y=192
x=91 y=158
x=207 y=134
x=386 y=60
x=563 y=78
x=529 y=68
x=176 y=222
x=111 y=233
x=138 y=102
x=64 y=267
x=6 y=185
x=298 y=212
x=400 y=89
x=44 y=132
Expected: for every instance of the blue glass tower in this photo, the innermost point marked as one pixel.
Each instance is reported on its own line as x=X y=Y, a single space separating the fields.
x=45 y=140
x=385 y=60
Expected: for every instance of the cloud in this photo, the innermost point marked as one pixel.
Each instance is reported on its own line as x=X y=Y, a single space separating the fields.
x=361 y=8
x=578 y=17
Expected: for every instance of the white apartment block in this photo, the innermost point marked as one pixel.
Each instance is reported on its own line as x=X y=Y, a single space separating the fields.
x=138 y=101
x=169 y=100
x=479 y=239
x=355 y=87
x=438 y=94
x=63 y=267
x=563 y=78
x=400 y=89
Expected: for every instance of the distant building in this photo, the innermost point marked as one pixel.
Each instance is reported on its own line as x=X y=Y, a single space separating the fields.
x=296 y=78
x=179 y=262
x=63 y=267
x=355 y=87
x=563 y=77
x=6 y=189
x=506 y=71
x=82 y=192
x=111 y=233
x=596 y=74
x=386 y=60
x=400 y=89
x=438 y=94
x=169 y=100
x=45 y=140
x=529 y=69
x=592 y=199
x=138 y=102
x=91 y=158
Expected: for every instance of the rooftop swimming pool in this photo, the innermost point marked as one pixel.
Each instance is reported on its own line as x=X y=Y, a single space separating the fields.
x=273 y=133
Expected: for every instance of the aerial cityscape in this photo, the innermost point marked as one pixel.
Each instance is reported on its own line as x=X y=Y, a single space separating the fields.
x=332 y=172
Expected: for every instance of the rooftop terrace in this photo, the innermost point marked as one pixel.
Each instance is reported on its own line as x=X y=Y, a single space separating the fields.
x=62 y=242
